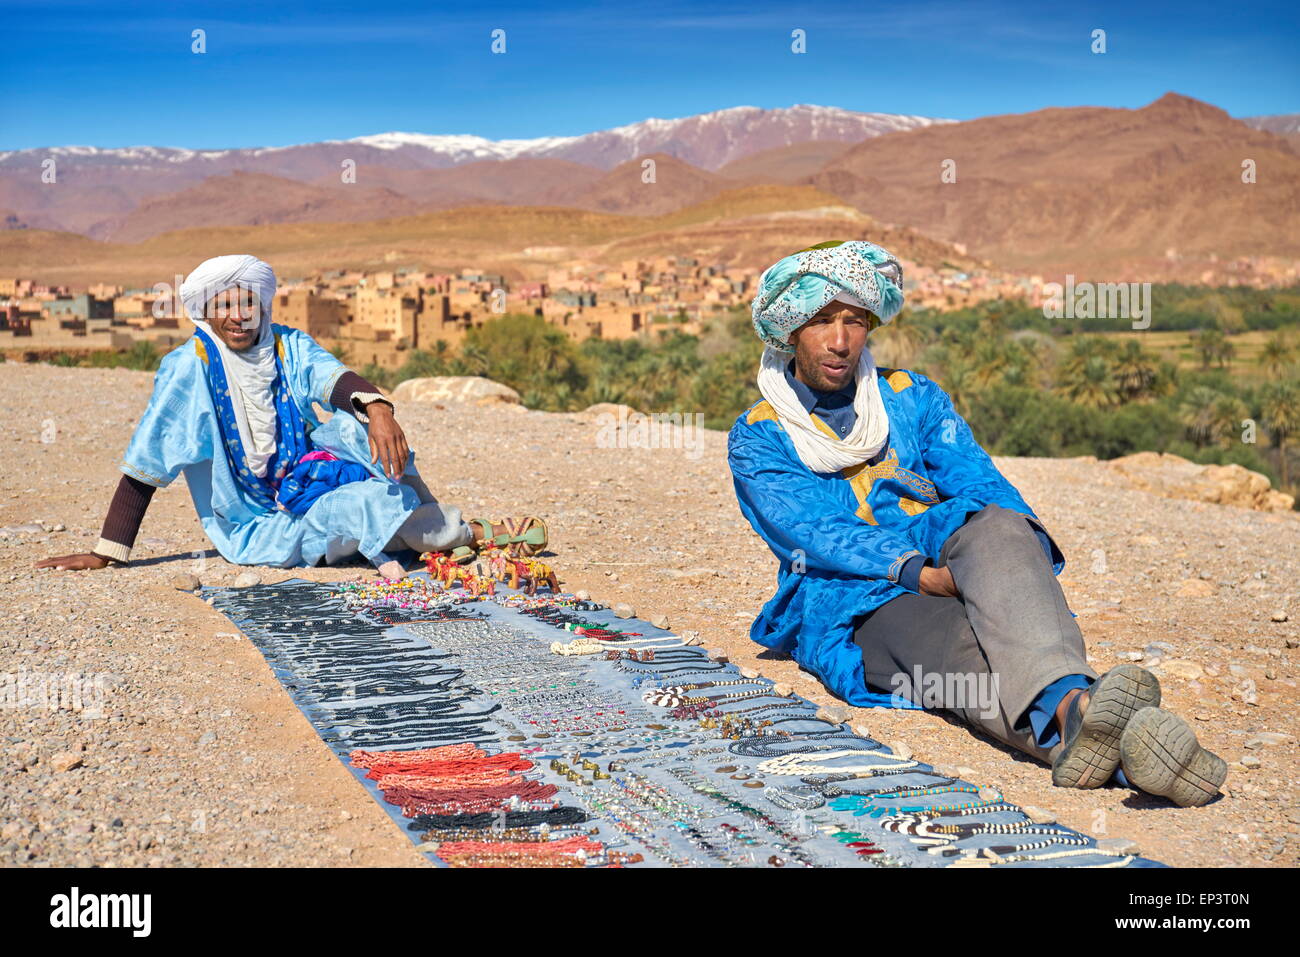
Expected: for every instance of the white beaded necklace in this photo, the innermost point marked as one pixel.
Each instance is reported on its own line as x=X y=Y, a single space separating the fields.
x=798 y=765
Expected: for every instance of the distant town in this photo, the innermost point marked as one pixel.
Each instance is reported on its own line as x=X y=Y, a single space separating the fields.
x=379 y=317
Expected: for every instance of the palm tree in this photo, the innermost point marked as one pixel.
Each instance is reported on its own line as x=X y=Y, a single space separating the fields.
x=1087 y=376
x=1135 y=371
x=1199 y=414
x=1214 y=347
x=1276 y=355
x=898 y=344
x=1280 y=410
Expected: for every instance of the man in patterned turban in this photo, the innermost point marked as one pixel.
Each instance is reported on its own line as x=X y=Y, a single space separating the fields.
x=912 y=573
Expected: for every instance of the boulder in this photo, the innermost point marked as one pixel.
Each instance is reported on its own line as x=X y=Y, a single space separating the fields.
x=1175 y=477
x=455 y=388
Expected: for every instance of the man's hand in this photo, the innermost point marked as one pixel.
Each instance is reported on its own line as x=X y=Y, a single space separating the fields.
x=74 y=562
x=387 y=440
x=938 y=582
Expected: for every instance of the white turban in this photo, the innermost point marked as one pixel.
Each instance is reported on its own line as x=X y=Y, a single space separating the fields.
x=251 y=373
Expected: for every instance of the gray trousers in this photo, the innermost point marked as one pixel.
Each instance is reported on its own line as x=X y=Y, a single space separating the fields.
x=432 y=527
x=986 y=655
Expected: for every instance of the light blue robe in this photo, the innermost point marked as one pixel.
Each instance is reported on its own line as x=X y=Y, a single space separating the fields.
x=842 y=538
x=179 y=433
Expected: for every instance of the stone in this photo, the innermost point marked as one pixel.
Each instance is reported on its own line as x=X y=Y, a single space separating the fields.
x=1176 y=477
x=207 y=738
x=782 y=689
x=1278 y=616
x=833 y=714
x=749 y=673
x=1195 y=588
x=619 y=412
x=660 y=621
x=246 y=579
x=1119 y=845
x=624 y=611
x=988 y=793
x=1250 y=761
x=1038 y=815
x=456 y=388
x=902 y=749
x=186 y=582
x=1183 y=668
x=582 y=595
x=717 y=654
x=66 y=761
x=1266 y=739
x=691 y=638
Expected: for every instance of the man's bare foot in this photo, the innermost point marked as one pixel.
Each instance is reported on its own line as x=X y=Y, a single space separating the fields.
x=477 y=529
x=391 y=570
x=1064 y=707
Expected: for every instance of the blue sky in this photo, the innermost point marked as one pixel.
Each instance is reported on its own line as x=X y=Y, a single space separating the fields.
x=123 y=74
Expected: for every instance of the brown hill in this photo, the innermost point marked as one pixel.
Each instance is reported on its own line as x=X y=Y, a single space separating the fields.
x=622 y=190
x=526 y=181
x=746 y=225
x=251 y=199
x=1094 y=191
x=785 y=164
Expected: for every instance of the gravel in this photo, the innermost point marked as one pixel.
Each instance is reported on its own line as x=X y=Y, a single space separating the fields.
x=187 y=751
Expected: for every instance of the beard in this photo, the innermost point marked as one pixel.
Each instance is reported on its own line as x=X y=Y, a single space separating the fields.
x=808 y=365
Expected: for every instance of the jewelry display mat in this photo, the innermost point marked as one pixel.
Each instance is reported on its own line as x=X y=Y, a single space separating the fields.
x=678 y=793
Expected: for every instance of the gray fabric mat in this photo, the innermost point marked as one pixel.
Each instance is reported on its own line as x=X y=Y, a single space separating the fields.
x=364 y=683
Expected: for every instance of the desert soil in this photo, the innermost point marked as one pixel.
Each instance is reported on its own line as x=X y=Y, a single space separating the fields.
x=200 y=758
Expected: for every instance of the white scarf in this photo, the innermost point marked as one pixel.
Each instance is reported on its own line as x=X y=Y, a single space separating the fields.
x=251 y=373
x=817 y=450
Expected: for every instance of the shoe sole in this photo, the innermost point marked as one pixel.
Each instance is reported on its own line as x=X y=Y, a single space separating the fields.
x=1095 y=754
x=1161 y=756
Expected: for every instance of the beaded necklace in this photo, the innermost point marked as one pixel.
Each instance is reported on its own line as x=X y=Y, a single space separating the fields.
x=796 y=765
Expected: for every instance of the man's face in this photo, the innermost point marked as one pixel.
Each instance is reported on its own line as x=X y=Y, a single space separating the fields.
x=827 y=346
x=235 y=315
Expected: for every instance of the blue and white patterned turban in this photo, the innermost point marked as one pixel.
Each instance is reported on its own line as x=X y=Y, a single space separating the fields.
x=795 y=289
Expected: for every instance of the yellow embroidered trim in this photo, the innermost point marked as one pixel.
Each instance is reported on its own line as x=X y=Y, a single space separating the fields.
x=898 y=380
x=279 y=346
x=199 y=350
x=142 y=476
x=760 y=412
x=823 y=426
x=896 y=566
x=911 y=506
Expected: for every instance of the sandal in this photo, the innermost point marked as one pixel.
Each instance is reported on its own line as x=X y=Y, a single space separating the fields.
x=522 y=537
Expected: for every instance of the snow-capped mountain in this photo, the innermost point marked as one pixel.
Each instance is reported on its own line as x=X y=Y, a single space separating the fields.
x=709 y=140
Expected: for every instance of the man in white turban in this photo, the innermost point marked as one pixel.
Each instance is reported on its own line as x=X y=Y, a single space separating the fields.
x=232 y=408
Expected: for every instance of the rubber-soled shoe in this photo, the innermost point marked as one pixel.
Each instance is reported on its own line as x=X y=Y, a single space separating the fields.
x=1161 y=755
x=1092 y=751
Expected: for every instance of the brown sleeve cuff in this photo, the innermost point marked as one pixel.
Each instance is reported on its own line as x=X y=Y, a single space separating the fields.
x=352 y=393
x=125 y=514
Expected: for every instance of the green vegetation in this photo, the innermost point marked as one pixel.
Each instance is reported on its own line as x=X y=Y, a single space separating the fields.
x=1216 y=377
x=1027 y=384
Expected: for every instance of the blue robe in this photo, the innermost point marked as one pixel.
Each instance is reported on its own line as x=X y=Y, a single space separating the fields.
x=842 y=538
x=179 y=433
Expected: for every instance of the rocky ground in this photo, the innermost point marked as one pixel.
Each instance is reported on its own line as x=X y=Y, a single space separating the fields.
x=197 y=757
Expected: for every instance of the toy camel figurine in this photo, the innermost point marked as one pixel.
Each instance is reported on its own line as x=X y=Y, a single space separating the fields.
x=501 y=567
x=441 y=567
